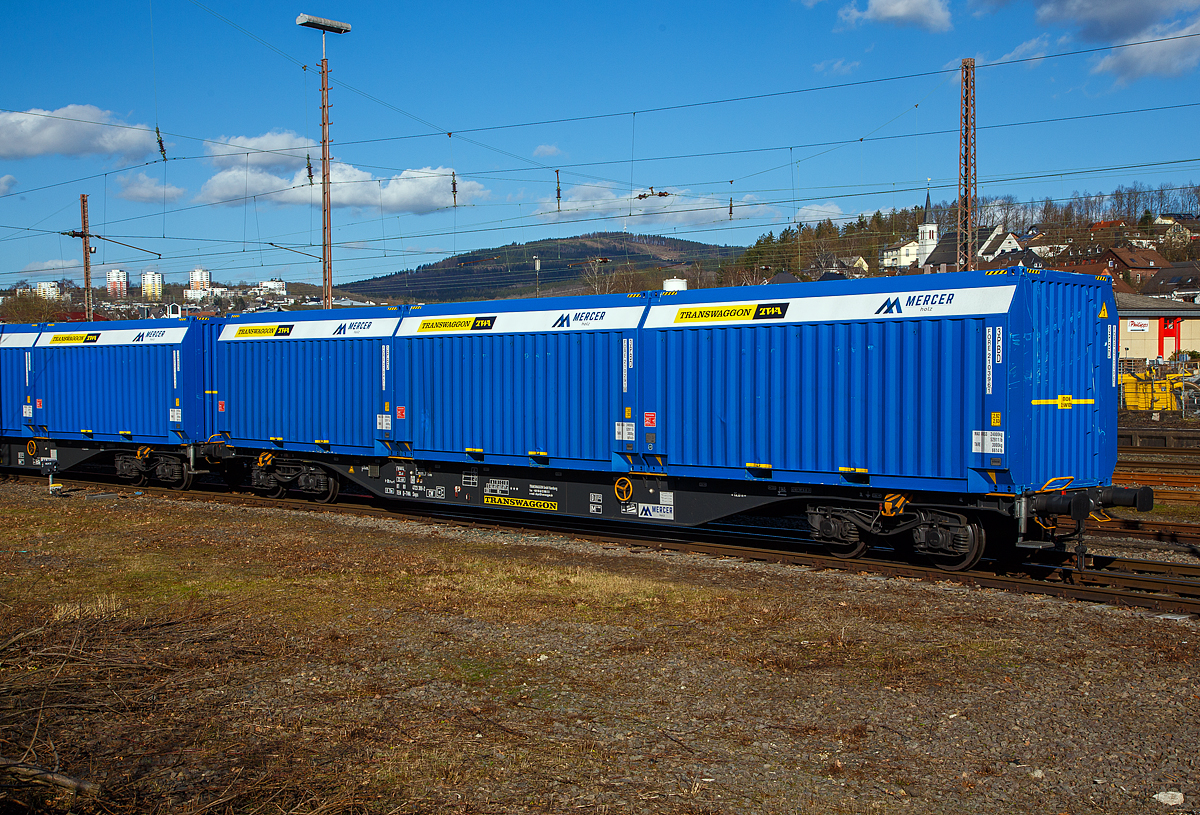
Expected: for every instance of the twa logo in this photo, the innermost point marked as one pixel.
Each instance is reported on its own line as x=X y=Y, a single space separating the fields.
x=891 y=306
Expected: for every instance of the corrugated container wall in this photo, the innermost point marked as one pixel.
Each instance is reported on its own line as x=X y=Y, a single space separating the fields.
x=305 y=382
x=16 y=342
x=500 y=384
x=1063 y=382
x=130 y=381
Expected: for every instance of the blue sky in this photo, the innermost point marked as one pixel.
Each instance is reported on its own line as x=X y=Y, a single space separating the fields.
x=619 y=97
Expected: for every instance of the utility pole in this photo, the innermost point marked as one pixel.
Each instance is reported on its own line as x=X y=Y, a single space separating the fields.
x=87 y=259
x=967 y=188
x=86 y=234
x=333 y=26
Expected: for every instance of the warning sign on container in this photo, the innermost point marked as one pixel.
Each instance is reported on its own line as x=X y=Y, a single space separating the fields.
x=650 y=419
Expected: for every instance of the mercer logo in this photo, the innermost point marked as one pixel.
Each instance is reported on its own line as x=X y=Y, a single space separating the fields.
x=563 y=322
x=359 y=326
x=890 y=306
x=141 y=336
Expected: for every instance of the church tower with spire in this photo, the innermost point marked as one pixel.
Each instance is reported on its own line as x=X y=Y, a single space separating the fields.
x=927 y=233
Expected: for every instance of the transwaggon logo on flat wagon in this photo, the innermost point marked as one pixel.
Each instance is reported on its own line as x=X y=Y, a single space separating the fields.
x=749 y=311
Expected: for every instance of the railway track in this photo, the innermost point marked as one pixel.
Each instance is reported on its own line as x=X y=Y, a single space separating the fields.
x=1152 y=585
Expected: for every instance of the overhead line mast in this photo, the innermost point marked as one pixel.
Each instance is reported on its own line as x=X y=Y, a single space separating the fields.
x=331 y=26
x=967 y=189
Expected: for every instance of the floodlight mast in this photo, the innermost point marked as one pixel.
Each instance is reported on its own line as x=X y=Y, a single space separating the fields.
x=333 y=27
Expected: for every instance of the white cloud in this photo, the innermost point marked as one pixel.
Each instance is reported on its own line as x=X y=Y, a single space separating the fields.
x=143 y=188
x=281 y=149
x=414 y=191
x=7 y=182
x=1103 y=20
x=815 y=213
x=677 y=209
x=1155 y=59
x=543 y=150
x=932 y=15
x=838 y=67
x=1036 y=47
x=43 y=266
x=74 y=130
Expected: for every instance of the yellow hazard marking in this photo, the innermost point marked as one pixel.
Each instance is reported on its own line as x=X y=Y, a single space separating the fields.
x=474 y=449
x=751 y=465
x=893 y=504
x=523 y=503
x=1065 y=401
x=623 y=489
x=628 y=413
x=997 y=271
x=992 y=475
x=852 y=469
x=1103 y=312
x=995 y=418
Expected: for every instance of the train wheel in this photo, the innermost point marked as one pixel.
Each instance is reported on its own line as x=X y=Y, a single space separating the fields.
x=331 y=494
x=185 y=481
x=847 y=549
x=139 y=480
x=278 y=491
x=967 y=560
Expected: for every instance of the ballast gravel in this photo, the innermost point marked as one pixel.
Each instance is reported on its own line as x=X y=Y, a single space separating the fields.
x=386 y=666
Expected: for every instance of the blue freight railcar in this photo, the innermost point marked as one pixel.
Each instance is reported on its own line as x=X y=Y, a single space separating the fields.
x=931 y=413
x=299 y=385
x=112 y=389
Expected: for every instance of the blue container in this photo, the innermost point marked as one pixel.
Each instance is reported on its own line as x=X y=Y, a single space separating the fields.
x=931 y=382
x=526 y=382
x=132 y=381
x=16 y=352
x=315 y=382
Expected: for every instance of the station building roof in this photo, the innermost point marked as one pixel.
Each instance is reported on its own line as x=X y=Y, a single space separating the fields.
x=1137 y=305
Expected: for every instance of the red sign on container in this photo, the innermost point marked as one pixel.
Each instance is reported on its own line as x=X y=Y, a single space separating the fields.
x=650 y=419
x=399 y=411
x=221 y=406
x=39 y=404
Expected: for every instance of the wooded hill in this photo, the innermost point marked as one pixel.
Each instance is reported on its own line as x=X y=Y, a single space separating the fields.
x=568 y=266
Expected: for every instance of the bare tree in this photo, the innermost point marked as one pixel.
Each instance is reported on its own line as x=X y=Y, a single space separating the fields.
x=597 y=278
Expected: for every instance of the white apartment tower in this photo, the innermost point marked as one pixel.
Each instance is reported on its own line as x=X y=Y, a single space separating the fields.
x=201 y=279
x=118 y=284
x=152 y=283
x=48 y=290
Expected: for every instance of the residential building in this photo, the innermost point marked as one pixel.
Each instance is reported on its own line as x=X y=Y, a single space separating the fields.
x=152 y=286
x=118 y=284
x=1179 y=282
x=1135 y=265
x=48 y=290
x=200 y=279
x=275 y=287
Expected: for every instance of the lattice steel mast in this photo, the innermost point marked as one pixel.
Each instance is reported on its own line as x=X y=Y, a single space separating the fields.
x=968 y=193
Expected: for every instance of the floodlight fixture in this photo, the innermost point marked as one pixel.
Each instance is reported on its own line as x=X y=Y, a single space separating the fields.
x=322 y=24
